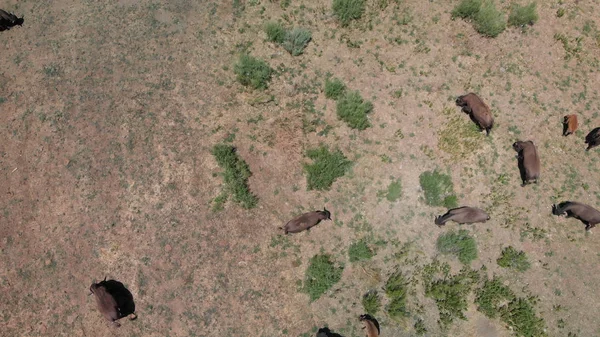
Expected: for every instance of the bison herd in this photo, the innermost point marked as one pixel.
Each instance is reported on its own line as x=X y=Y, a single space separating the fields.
x=114 y=301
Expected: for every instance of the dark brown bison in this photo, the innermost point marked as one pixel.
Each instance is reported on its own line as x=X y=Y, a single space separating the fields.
x=114 y=300
x=371 y=325
x=593 y=139
x=586 y=214
x=306 y=221
x=529 y=161
x=9 y=20
x=463 y=215
x=569 y=125
x=478 y=111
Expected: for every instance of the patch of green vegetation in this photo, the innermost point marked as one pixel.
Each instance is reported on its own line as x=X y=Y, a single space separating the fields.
x=354 y=110
x=438 y=189
x=460 y=244
x=489 y=21
x=334 y=88
x=396 y=289
x=466 y=9
x=236 y=176
x=419 y=326
x=371 y=302
x=348 y=10
x=393 y=191
x=326 y=167
x=450 y=292
x=572 y=47
x=275 y=32
x=459 y=137
x=360 y=251
x=514 y=259
x=253 y=72
x=321 y=275
x=296 y=40
x=491 y=296
x=522 y=15
x=520 y=315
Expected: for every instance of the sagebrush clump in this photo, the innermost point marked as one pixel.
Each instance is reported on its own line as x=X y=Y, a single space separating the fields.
x=348 y=10
x=296 y=40
x=235 y=176
x=371 y=302
x=489 y=21
x=460 y=244
x=253 y=72
x=523 y=15
x=327 y=166
x=354 y=110
x=466 y=9
x=275 y=32
x=321 y=275
x=438 y=189
x=396 y=290
x=359 y=251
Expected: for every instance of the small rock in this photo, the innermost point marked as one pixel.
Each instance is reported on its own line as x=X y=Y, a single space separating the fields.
x=168 y=248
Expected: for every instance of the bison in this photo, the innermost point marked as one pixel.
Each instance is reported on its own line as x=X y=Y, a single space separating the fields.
x=529 y=161
x=569 y=125
x=585 y=213
x=306 y=221
x=478 y=111
x=463 y=215
x=593 y=139
x=9 y=20
x=371 y=325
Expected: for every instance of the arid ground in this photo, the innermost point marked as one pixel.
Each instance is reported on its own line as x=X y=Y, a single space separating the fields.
x=109 y=110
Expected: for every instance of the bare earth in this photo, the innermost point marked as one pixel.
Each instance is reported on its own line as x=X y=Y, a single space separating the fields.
x=109 y=109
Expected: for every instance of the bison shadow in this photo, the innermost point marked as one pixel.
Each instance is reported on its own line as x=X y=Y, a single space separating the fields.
x=122 y=296
x=325 y=332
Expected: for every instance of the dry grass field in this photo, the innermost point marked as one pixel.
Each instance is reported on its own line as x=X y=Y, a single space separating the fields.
x=110 y=111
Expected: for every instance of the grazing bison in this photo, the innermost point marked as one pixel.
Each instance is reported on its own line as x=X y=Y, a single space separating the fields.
x=569 y=125
x=586 y=214
x=593 y=139
x=9 y=20
x=371 y=325
x=306 y=221
x=478 y=111
x=529 y=161
x=325 y=332
x=463 y=215
x=114 y=300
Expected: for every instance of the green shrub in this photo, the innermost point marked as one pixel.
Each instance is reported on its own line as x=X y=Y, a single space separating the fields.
x=275 y=32
x=522 y=15
x=348 y=10
x=235 y=176
x=359 y=251
x=491 y=296
x=520 y=315
x=419 y=326
x=296 y=40
x=396 y=290
x=489 y=21
x=252 y=72
x=512 y=258
x=334 y=88
x=321 y=275
x=466 y=9
x=438 y=189
x=460 y=244
x=353 y=109
x=393 y=192
x=450 y=293
x=326 y=167
x=371 y=302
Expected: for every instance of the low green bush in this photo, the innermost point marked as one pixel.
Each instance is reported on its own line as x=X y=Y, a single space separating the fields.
x=235 y=176
x=334 y=88
x=371 y=302
x=522 y=15
x=396 y=289
x=466 y=9
x=275 y=32
x=354 y=110
x=321 y=275
x=359 y=251
x=438 y=189
x=348 y=10
x=460 y=244
x=491 y=296
x=253 y=72
x=514 y=259
x=327 y=166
